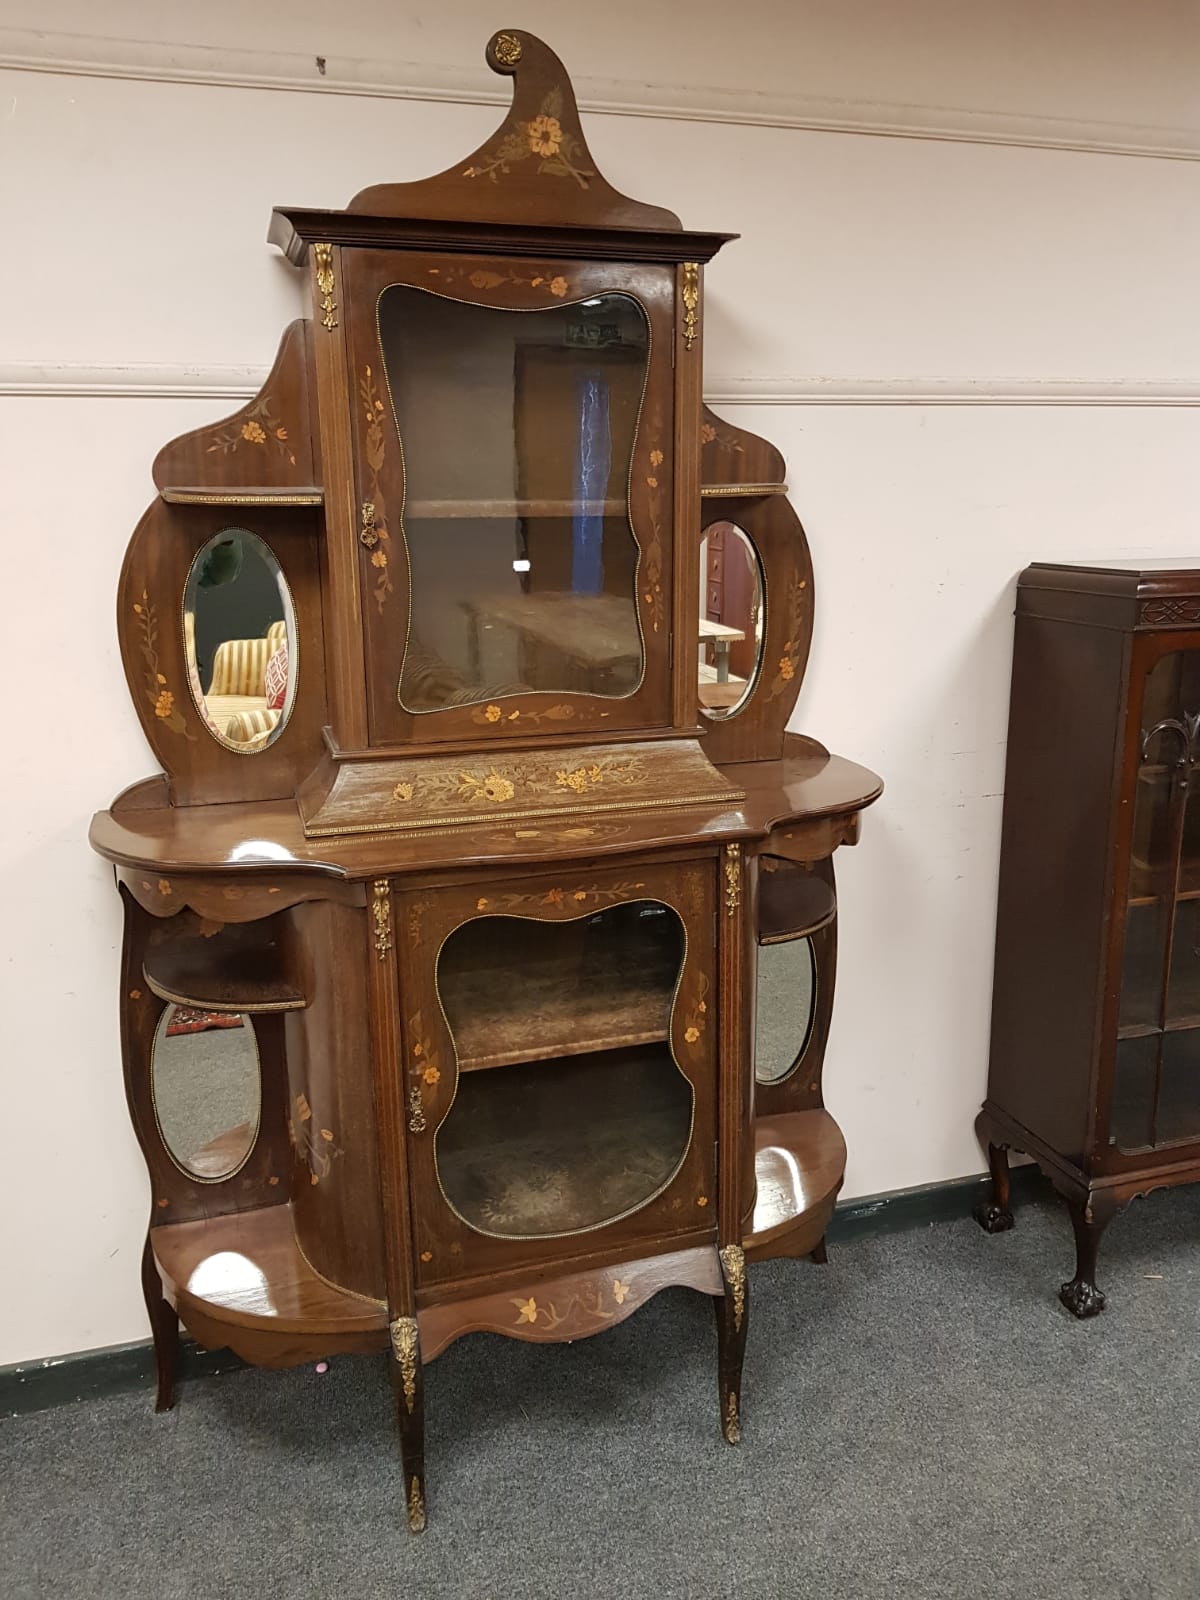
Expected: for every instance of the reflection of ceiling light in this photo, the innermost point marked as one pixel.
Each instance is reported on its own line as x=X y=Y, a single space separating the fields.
x=590 y=303
x=260 y=850
x=521 y=566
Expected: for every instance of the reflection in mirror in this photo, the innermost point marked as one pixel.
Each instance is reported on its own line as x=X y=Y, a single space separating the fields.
x=785 y=1007
x=240 y=639
x=570 y=1110
x=207 y=1089
x=517 y=429
x=731 y=619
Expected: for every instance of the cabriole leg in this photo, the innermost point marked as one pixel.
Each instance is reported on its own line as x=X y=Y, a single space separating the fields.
x=819 y=1253
x=409 y=1389
x=1089 y=1218
x=995 y=1215
x=733 y=1316
x=164 y=1325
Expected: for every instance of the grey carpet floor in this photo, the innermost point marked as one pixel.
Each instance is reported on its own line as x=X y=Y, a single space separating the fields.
x=921 y=1419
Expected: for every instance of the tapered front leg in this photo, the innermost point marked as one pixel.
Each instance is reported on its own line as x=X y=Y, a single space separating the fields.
x=733 y=1316
x=995 y=1215
x=409 y=1388
x=1089 y=1217
x=164 y=1325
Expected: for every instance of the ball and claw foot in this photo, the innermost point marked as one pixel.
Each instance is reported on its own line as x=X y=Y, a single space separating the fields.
x=1081 y=1298
x=993 y=1218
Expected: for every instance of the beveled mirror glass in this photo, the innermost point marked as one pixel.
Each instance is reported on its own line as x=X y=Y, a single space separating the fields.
x=240 y=641
x=207 y=1090
x=731 y=619
x=518 y=430
x=784 y=1008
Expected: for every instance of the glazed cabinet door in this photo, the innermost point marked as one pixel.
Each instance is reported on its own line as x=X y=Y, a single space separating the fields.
x=1154 y=1100
x=512 y=433
x=559 y=1060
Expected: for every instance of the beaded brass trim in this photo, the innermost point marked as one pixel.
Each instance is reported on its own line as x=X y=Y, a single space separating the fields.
x=243 y=497
x=405 y=1346
x=731 y=491
x=733 y=1264
x=323 y=255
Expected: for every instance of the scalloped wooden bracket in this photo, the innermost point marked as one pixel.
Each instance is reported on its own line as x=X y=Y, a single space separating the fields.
x=536 y=168
x=266 y=446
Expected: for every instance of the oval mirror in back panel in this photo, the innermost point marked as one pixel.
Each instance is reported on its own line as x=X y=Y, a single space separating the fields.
x=731 y=619
x=207 y=1089
x=240 y=641
x=785 y=1007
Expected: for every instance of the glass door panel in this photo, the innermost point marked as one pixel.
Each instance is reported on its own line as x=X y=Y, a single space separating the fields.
x=570 y=1110
x=1156 y=1077
x=518 y=431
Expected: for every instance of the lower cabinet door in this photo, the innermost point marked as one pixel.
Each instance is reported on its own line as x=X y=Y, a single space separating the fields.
x=559 y=1050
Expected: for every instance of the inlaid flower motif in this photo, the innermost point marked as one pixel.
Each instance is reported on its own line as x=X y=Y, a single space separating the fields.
x=620 y=1290
x=253 y=433
x=497 y=788
x=164 y=704
x=281 y=434
x=691 y=1035
x=656 y=458
x=379 y=558
x=303 y=1109
x=545 y=136
x=402 y=791
x=701 y=1200
x=580 y=894
x=528 y=1309
x=786 y=669
x=707 y=433
x=554 y=897
x=327 y=1135
x=431 y=1076
x=493 y=713
x=164 y=886
x=481 y=903
x=558 y=287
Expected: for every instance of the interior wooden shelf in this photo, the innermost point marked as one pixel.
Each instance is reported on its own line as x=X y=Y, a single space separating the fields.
x=792 y=903
x=545 y=1149
x=1141 y=892
x=246 y=1270
x=415 y=510
x=501 y=1011
x=799 y=1164
x=237 y=969
x=201 y=495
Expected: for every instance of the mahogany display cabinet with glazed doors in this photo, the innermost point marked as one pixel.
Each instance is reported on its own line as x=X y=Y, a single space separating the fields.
x=480 y=929
x=1095 y=1064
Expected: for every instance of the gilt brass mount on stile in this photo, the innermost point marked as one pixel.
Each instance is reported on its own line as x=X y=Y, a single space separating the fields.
x=478 y=846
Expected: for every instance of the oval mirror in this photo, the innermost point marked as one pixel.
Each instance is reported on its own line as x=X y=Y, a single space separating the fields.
x=240 y=642
x=731 y=619
x=207 y=1090
x=784 y=1007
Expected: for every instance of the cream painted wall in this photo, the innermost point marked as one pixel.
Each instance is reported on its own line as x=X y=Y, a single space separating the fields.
x=885 y=287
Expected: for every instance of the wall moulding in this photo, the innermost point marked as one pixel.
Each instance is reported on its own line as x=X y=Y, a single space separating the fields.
x=90 y=56
x=162 y=382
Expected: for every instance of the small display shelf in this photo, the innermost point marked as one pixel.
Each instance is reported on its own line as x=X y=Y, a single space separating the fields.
x=551 y=1148
x=241 y=1276
x=238 y=969
x=792 y=902
x=799 y=1164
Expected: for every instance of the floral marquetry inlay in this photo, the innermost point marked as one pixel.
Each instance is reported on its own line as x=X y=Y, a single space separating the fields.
x=257 y=428
x=375 y=444
x=795 y=605
x=315 y=1146
x=158 y=691
x=557 y=150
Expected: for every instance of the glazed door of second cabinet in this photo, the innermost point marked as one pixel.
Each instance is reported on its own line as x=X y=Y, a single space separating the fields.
x=513 y=435
x=560 y=1064
x=1155 y=1096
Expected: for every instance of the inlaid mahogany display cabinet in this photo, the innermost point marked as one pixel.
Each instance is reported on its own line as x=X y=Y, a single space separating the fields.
x=479 y=854
x=1095 y=1065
